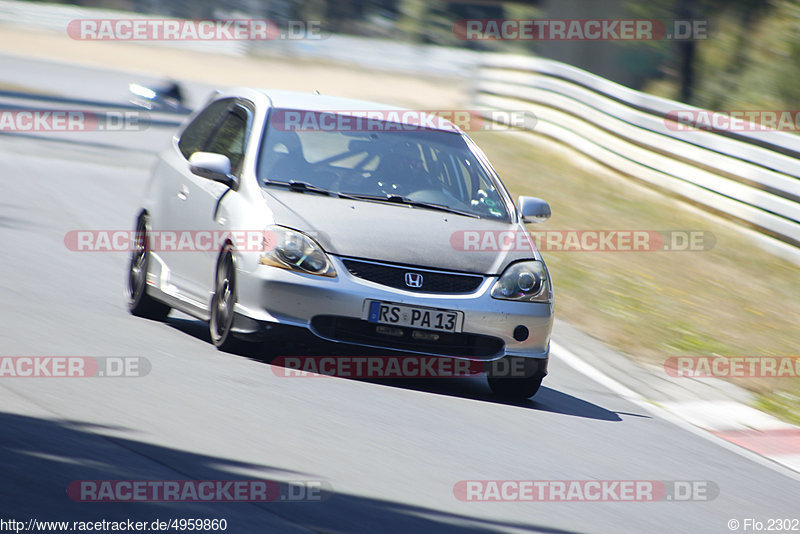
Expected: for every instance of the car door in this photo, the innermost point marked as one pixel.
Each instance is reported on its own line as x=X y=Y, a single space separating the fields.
x=202 y=211
x=175 y=180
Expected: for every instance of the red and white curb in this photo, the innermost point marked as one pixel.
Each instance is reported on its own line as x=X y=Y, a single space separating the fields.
x=741 y=428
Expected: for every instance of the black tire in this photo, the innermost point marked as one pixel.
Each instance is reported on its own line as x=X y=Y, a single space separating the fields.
x=222 y=305
x=515 y=378
x=515 y=388
x=139 y=302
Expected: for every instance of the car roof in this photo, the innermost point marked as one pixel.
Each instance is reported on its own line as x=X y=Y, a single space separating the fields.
x=296 y=100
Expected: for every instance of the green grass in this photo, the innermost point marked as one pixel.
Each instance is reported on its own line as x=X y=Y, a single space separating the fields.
x=782 y=404
x=733 y=300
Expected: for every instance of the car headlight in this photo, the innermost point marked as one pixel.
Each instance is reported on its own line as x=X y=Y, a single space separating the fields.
x=526 y=281
x=289 y=249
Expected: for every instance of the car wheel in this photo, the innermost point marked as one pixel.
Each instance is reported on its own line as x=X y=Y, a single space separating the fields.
x=139 y=302
x=515 y=388
x=223 y=303
x=514 y=377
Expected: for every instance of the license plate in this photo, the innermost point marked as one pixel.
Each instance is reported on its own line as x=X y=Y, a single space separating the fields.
x=414 y=316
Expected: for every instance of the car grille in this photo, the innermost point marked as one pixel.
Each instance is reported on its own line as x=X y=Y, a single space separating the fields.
x=395 y=276
x=349 y=330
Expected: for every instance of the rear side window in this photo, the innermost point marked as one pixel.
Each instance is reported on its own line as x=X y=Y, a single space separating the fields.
x=229 y=139
x=196 y=135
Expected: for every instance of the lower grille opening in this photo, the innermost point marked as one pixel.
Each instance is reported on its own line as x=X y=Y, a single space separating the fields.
x=351 y=330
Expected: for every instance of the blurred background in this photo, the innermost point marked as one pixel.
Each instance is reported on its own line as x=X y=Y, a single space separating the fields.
x=749 y=60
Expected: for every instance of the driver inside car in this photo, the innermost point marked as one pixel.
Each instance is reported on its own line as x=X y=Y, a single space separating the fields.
x=402 y=171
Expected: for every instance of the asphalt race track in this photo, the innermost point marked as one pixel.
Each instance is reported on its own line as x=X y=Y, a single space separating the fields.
x=389 y=452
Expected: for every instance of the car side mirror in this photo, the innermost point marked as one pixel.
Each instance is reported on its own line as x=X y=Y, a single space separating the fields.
x=533 y=210
x=214 y=167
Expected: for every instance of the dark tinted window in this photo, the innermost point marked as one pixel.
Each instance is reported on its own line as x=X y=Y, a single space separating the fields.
x=196 y=135
x=379 y=158
x=229 y=139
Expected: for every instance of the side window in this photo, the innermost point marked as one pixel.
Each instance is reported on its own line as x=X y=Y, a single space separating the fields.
x=196 y=135
x=229 y=139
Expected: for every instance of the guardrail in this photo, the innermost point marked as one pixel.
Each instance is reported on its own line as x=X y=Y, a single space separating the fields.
x=752 y=177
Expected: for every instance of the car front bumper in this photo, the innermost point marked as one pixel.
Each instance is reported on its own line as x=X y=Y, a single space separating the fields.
x=334 y=309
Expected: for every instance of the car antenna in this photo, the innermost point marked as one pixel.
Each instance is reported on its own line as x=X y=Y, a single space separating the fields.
x=316 y=92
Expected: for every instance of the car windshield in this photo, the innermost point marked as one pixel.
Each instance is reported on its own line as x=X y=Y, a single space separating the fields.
x=378 y=159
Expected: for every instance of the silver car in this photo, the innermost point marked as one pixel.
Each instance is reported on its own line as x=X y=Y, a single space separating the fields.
x=347 y=219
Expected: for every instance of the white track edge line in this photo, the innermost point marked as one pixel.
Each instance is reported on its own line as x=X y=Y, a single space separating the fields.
x=588 y=370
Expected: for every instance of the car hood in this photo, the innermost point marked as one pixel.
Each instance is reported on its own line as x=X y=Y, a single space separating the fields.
x=397 y=233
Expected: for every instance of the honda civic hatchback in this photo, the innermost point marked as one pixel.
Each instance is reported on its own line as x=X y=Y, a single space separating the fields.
x=358 y=222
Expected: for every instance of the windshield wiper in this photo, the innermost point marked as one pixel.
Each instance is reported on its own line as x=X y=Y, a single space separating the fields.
x=397 y=199
x=302 y=187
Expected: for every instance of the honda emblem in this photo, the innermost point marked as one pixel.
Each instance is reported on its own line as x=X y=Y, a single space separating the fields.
x=414 y=280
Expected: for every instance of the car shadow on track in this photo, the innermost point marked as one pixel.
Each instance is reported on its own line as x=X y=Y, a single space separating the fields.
x=42 y=458
x=471 y=387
